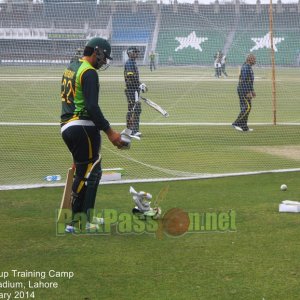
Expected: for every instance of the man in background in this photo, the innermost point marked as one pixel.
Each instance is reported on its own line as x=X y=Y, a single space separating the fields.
x=132 y=91
x=152 y=61
x=246 y=93
x=217 y=64
x=223 y=65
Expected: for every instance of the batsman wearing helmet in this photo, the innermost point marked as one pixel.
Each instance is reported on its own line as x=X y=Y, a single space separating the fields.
x=81 y=123
x=132 y=90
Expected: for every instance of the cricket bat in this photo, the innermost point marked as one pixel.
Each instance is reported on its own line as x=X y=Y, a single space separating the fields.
x=155 y=106
x=66 y=198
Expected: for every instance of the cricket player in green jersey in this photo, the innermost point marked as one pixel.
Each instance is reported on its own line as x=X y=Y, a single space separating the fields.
x=81 y=123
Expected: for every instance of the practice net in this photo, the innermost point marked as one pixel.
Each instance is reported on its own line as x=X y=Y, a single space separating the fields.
x=38 y=39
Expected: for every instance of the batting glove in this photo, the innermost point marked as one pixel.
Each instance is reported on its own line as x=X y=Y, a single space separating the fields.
x=143 y=88
x=126 y=137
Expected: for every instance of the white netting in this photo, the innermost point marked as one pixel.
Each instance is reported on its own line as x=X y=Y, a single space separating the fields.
x=38 y=39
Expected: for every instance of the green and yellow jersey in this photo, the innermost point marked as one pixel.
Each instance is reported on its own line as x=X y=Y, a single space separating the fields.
x=79 y=94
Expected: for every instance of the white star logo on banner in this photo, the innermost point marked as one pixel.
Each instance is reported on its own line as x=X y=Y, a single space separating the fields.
x=265 y=42
x=190 y=41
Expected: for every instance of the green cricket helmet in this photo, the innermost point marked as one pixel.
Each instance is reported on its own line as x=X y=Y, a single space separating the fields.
x=100 y=43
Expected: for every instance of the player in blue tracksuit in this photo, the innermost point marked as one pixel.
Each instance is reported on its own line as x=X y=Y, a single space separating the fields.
x=132 y=90
x=246 y=92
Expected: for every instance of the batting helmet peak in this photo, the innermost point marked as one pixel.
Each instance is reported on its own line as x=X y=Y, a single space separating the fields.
x=100 y=43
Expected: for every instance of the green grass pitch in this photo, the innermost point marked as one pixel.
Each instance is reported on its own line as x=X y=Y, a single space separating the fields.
x=258 y=260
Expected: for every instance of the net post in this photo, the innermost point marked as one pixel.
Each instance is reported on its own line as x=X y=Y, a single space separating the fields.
x=274 y=104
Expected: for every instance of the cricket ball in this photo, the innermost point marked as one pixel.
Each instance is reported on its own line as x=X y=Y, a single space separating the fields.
x=283 y=187
x=176 y=222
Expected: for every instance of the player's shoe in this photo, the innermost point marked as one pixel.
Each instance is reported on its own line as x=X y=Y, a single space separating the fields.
x=237 y=127
x=71 y=229
x=248 y=130
x=137 y=134
x=89 y=227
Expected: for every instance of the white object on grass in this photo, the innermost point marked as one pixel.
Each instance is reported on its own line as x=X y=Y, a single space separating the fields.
x=289 y=208
x=290 y=202
x=283 y=187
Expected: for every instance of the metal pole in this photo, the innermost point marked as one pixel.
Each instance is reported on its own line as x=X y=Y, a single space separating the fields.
x=273 y=65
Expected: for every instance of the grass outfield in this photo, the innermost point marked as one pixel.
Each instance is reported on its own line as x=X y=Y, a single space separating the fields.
x=257 y=261
x=189 y=94
x=194 y=150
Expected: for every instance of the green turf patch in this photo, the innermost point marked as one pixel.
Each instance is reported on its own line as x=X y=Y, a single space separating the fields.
x=258 y=260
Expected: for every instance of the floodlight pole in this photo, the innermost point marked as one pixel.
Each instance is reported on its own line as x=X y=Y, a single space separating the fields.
x=273 y=65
